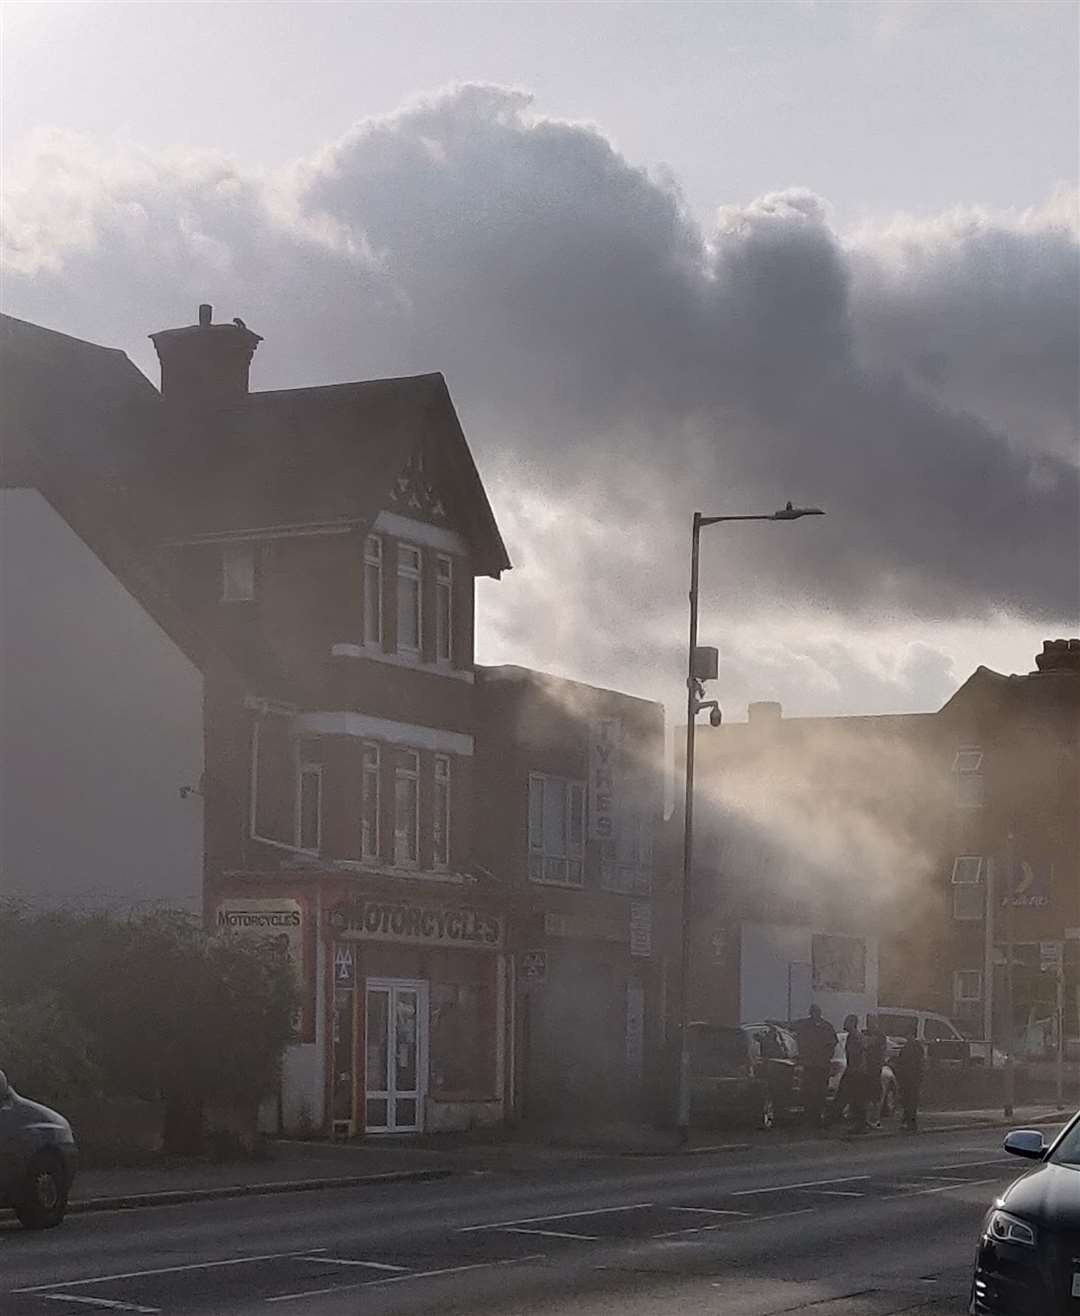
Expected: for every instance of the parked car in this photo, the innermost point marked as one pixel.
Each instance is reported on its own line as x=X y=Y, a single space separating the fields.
x=37 y=1159
x=946 y=1046
x=748 y=1073
x=1027 y=1262
x=889 y=1088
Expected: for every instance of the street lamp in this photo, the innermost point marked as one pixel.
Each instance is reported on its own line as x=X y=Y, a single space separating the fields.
x=695 y=703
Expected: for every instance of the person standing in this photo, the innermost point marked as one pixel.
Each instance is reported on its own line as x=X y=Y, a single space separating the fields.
x=909 y=1075
x=817 y=1044
x=876 y=1044
x=851 y=1090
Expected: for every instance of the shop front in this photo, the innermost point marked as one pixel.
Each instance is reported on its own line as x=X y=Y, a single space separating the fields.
x=418 y=1023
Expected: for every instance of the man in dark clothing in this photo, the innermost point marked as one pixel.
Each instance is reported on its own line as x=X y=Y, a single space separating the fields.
x=851 y=1092
x=909 y=1074
x=876 y=1043
x=817 y=1043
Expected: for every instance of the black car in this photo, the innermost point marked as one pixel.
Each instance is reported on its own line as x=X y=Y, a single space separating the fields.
x=1028 y=1259
x=749 y=1073
x=37 y=1159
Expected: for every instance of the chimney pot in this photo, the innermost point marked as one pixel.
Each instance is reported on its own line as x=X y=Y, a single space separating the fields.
x=206 y=314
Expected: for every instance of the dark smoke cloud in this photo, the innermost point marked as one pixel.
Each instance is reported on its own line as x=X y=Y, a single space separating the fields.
x=616 y=364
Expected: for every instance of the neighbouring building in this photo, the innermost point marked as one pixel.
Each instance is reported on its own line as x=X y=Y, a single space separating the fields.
x=571 y=795
x=101 y=675
x=854 y=861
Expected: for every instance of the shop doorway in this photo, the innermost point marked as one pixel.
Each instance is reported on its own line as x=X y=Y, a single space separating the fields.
x=396 y=1040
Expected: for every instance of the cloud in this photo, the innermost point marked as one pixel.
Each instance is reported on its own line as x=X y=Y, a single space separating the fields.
x=617 y=363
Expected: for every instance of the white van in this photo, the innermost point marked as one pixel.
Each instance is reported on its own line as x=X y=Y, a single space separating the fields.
x=945 y=1044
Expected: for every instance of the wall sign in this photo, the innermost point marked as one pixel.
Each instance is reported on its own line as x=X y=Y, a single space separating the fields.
x=416 y=924
x=534 y=965
x=640 y=929
x=344 y=967
x=605 y=746
x=280 y=920
x=584 y=927
x=1030 y=886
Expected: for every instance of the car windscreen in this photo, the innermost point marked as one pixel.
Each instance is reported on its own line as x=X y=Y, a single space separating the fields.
x=897 y=1025
x=1067 y=1152
x=718 y=1050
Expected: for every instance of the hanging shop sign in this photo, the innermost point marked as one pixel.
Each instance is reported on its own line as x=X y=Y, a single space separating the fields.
x=605 y=747
x=417 y=924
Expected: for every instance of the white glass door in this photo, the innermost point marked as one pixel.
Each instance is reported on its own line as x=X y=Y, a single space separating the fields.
x=396 y=1043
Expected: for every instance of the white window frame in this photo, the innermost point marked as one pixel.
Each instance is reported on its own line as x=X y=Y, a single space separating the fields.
x=959 y=893
x=968 y=768
x=968 y=870
x=623 y=874
x=444 y=583
x=959 y=976
x=411 y=573
x=407 y=774
x=243 y=554
x=373 y=557
x=307 y=768
x=374 y=771
x=442 y=778
x=253 y=811
x=573 y=857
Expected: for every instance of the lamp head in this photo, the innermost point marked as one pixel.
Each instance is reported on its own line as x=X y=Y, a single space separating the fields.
x=789 y=513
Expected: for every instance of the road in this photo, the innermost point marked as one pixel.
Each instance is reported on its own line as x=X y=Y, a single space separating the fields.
x=853 y=1228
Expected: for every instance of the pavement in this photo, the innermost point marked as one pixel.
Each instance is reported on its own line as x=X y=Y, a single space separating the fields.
x=289 y=1166
x=810 y=1227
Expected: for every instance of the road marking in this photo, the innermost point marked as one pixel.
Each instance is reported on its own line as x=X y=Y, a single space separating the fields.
x=167 y=1270
x=111 y=1303
x=837 y=1192
x=745 y=1220
x=705 y=1210
x=401 y=1279
x=787 y=1187
x=948 y=1187
x=566 y=1215
x=971 y=1165
x=548 y=1233
x=342 y=1261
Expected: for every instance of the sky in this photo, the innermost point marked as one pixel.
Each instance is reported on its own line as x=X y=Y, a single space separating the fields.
x=668 y=257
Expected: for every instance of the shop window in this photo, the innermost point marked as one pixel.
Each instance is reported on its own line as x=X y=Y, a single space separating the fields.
x=406 y=808
x=441 y=819
x=370 y=796
x=408 y=599
x=238 y=573
x=970 y=786
x=373 y=591
x=462 y=1040
x=444 y=608
x=556 y=830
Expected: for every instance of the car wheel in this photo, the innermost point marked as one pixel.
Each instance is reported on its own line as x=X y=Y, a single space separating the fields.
x=767 y=1112
x=43 y=1200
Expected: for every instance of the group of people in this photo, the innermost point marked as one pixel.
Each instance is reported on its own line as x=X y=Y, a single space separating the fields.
x=859 y=1091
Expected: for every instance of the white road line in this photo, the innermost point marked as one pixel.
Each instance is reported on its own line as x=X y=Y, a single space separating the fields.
x=837 y=1192
x=705 y=1210
x=565 y=1215
x=971 y=1165
x=548 y=1233
x=111 y=1303
x=401 y=1279
x=948 y=1187
x=787 y=1187
x=342 y=1261
x=167 y=1270
x=745 y=1220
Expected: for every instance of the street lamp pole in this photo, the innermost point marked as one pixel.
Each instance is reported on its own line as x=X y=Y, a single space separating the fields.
x=694 y=705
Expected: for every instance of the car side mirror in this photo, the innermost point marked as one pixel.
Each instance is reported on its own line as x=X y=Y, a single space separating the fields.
x=1028 y=1143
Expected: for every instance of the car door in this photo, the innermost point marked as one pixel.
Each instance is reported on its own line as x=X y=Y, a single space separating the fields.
x=945 y=1048
x=778 y=1060
x=720 y=1071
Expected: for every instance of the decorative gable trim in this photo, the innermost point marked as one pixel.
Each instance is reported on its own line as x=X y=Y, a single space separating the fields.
x=420 y=532
x=413 y=493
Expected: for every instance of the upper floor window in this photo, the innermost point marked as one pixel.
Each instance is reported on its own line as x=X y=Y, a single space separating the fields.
x=967 y=986
x=373 y=590
x=967 y=887
x=407 y=808
x=556 y=830
x=369 y=803
x=409 y=607
x=970 y=786
x=440 y=827
x=309 y=798
x=626 y=860
x=444 y=607
x=238 y=573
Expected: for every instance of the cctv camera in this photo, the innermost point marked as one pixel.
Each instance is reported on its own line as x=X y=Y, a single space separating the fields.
x=715 y=717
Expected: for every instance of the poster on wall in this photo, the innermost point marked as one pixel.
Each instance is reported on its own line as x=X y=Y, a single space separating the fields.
x=280 y=920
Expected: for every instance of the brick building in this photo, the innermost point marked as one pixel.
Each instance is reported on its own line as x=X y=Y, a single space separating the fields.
x=852 y=861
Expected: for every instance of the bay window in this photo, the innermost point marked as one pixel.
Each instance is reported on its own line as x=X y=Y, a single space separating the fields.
x=444 y=608
x=409 y=609
x=441 y=820
x=369 y=802
x=406 y=808
x=373 y=591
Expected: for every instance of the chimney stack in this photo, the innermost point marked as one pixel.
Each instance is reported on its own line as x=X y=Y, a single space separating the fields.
x=205 y=364
x=1059 y=656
